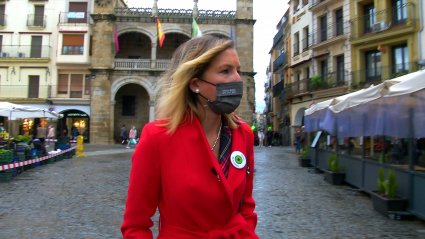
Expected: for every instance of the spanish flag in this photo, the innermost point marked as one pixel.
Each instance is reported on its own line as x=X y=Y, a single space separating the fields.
x=161 y=35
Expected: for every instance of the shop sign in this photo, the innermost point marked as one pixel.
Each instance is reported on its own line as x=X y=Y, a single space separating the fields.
x=76 y=115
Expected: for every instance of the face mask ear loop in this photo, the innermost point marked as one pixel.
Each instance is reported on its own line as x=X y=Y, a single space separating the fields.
x=207 y=82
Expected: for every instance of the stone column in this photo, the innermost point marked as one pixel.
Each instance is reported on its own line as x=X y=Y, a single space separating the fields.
x=195 y=9
x=100 y=119
x=155 y=8
x=111 y=121
x=151 y=110
x=153 y=55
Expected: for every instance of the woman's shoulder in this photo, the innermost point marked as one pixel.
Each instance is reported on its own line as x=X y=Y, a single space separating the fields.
x=156 y=127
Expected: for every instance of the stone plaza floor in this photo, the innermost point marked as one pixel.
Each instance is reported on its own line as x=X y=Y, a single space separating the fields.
x=85 y=198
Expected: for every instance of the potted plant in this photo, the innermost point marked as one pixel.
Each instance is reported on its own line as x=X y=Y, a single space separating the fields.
x=333 y=175
x=304 y=159
x=385 y=199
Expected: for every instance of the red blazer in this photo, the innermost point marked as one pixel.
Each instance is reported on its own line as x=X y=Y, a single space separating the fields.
x=174 y=173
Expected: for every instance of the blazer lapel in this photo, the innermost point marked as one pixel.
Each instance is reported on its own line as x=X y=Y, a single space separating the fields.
x=236 y=176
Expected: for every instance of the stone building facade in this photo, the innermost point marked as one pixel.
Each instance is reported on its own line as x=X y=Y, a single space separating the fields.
x=124 y=85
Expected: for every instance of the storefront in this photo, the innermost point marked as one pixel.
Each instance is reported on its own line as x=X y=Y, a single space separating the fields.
x=77 y=119
x=28 y=125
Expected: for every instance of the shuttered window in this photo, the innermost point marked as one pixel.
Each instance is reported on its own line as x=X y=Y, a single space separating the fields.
x=73 y=44
x=76 y=85
x=63 y=84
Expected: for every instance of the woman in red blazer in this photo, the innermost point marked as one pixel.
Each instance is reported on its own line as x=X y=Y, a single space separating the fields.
x=196 y=163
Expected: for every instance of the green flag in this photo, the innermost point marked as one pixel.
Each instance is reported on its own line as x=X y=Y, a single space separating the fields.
x=196 y=32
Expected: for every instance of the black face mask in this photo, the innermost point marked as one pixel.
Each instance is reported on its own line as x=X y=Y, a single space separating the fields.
x=228 y=98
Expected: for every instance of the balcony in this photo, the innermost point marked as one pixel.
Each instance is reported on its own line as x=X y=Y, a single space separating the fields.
x=277 y=89
x=318 y=5
x=279 y=63
x=36 y=20
x=277 y=38
x=305 y=43
x=141 y=64
x=332 y=34
x=387 y=23
x=19 y=53
x=24 y=91
x=296 y=48
x=367 y=77
x=330 y=80
x=296 y=89
x=75 y=18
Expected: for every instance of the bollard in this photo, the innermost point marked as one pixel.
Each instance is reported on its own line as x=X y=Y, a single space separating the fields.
x=80 y=148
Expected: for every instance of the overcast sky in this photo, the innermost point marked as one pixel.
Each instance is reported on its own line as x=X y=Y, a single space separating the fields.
x=266 y=12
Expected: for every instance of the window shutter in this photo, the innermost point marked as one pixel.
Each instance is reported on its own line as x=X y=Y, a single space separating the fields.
x=73 y=40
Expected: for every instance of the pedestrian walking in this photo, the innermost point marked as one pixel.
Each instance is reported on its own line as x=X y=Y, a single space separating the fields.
x=1 y=128
x=50 y=134
x=41 y=133
x=74 y=132
x=196 y=163
x=132 y=137
x=297 y=142
x=269 y=138
x=123 y=134
x=261 y=138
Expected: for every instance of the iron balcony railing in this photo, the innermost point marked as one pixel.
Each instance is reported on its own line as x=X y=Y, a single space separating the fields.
x=36 y=20
x=296 y=88
x=396 y=17
x=378 y=74
x=314 y=3
x=277 y=89
x=279 y=62
x=75 y=17
x=328 y=32
x=305 y=43
x=278 y=36
x=142 y=64
x=3 y=20
x=330 y=80
x=296 y=48
x=9 y=51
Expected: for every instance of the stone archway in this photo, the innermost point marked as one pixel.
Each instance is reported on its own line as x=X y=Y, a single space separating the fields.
x=299 y=117
x=144 y=31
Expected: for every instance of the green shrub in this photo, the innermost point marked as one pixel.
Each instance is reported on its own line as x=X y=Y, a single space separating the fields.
x=381 y=180
x=390 y=184
x=333 y=164
x=304 y=153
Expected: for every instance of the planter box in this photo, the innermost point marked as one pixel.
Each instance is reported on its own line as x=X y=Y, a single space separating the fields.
x=383 y=205
x=304 y=162
x=334 y=178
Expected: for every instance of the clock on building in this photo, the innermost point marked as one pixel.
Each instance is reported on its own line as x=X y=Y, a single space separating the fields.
x=102 y=3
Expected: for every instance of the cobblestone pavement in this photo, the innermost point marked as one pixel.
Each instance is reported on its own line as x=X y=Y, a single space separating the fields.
x=85 y=198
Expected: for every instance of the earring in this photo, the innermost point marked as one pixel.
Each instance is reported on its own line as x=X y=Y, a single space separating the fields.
x=197 y=91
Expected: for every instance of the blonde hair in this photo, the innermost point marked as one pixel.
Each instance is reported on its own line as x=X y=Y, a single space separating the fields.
x=176 y=101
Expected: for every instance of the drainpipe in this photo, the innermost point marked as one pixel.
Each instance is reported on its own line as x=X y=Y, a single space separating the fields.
x=420 y=31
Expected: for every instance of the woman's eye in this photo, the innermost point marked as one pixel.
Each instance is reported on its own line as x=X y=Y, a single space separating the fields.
x=225 y=71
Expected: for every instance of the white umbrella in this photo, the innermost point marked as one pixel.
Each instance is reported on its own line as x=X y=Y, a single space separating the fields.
x=19 y=111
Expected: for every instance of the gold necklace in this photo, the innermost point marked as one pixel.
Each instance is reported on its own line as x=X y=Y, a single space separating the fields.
x=218 y=135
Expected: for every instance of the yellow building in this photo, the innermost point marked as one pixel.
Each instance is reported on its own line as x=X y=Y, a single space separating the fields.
x=383 y=39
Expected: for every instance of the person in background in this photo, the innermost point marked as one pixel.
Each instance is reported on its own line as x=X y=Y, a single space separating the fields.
x=1 y=128
x=269 y=138
x=255 y=138
x=298 y=142
x=74 y=132
x=65 y=130
x=41 y=133
x=50 y=134
x=39 y=146
x=276 y=138
x=132 y=136
x=122 y=134
x=303 y=136
x=261 y=138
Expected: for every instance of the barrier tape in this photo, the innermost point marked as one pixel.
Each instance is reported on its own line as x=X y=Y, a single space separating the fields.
x=31 y=161
x=55 y=140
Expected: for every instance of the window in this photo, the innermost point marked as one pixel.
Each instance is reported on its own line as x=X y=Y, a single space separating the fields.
x=339 y=23
x=39 y=16
x=2 y=16
x=63 y=84
x=399 y=12
x=324 y=69
x=308 y=72
x=340 y=68
x=34 y=83
x=1 y=43
x=76 y=86
x=369 y=17
x=305 y=40
x=297 y=44
x=77 y=12
x=36 y=42
x=73 y=44
x=373 y=65
x=400 y=59
x=323 y=28
x=129 y=105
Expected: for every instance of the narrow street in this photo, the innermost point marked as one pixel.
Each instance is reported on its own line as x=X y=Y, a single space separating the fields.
x=85 y=198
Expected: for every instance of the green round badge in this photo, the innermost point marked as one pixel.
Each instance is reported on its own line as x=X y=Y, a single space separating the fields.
x=238 y=159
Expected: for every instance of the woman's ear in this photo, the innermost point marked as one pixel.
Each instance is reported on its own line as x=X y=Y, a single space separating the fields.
x=193 y=84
